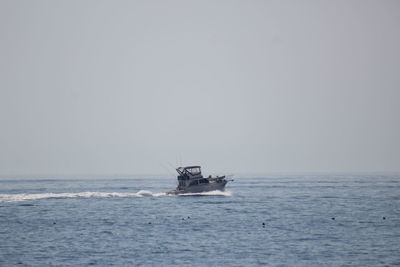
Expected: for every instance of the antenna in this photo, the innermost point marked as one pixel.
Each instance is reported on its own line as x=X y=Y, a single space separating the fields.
x=171 y=165
x=168 y=170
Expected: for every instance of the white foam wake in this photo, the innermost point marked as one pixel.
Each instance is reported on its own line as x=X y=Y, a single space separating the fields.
x=210 y=193
x=24 y=197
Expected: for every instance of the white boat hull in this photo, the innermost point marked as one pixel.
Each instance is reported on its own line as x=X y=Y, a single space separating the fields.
x=201 y=188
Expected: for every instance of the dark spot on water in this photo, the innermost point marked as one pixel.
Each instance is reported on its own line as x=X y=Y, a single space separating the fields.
x=149 y=222
x=384 y=218
x=333 y=218
x=26 y=205
x=19 y=262
x=188 y=217
x=54 y=222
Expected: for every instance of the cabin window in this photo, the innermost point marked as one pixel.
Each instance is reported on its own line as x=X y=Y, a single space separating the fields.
x=196 y=182
x=194 y=171
x=203 y=181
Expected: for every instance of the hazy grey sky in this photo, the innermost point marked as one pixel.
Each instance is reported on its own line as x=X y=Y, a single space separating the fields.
x=124 y=87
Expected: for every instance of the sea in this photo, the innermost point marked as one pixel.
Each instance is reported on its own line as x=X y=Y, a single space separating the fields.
x=268 y=220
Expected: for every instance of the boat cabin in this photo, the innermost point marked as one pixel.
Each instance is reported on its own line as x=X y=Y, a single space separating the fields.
x=190 y=176
x=188 y=173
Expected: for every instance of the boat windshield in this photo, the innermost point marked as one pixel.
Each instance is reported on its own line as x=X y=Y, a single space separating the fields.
x=194 y=171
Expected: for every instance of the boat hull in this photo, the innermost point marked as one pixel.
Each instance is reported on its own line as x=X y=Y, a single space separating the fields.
x=200 y=188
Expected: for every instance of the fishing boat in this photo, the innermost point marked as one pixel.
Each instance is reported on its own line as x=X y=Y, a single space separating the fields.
x=190 y=180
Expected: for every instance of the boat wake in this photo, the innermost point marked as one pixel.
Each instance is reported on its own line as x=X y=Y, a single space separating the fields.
x=141 y=193
x=24 y=197
x=210 y=193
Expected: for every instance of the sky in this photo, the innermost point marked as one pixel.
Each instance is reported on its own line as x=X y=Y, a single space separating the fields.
x=137 y=87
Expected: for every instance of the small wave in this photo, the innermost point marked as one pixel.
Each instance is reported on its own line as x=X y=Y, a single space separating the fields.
x=25 y=197
x=210 y=193
x=26 y=205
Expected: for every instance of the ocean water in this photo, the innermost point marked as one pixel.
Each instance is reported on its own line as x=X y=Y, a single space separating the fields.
x=304 y=220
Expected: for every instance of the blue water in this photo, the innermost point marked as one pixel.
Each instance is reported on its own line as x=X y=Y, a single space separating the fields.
x=326 y=220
